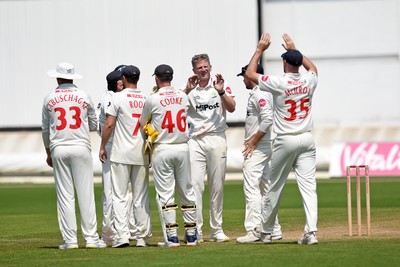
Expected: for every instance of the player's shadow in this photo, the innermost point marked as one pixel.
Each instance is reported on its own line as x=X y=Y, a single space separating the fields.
x=275 y=243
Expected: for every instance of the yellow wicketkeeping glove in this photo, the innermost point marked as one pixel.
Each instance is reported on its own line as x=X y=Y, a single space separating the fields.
x=151 y=136
x=154 y=90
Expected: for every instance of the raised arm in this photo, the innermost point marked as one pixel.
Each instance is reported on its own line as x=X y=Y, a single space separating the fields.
x=263 y=44
x=191 y=83
x=227 y=101
x=308 y=65
x=289 y=45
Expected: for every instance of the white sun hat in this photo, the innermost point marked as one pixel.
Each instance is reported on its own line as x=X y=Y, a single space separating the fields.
x=64 y=70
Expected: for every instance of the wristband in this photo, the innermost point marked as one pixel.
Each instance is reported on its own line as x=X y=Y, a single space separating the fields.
x=222 y=93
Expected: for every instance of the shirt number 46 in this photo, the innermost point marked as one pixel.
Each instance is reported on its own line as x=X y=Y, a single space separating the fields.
x=180 y=121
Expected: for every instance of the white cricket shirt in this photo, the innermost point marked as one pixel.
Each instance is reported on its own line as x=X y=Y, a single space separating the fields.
x=68 y=115
x=206 y=113
x=292 y=95
x=128 y=142
x=102 y=108
x=259 y=114
x=168 y=111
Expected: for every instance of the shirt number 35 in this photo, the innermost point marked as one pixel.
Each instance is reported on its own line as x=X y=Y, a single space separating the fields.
x=303 y=109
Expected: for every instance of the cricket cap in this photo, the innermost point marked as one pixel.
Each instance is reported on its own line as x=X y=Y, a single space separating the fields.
x=293 y=57
x=164 y=70
x=120 y=67
x=112 y=79
x=130 y=71
x=260 y=70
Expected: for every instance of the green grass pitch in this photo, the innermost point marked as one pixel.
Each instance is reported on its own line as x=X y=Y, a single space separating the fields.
x=29 y=234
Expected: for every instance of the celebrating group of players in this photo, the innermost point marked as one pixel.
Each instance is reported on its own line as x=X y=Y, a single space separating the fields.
x=180 y=133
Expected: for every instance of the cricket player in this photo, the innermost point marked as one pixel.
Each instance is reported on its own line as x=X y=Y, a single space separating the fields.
x=294 y=146
x=68 y=115
x=114 y=85
x=166 y=110
x=128 y=164
x=132 y=223
x=209 y=100
x=257 y=154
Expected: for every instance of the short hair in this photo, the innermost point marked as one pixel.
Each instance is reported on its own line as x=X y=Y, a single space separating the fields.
x=165 y=79
x=198 y=57
x=133 y=80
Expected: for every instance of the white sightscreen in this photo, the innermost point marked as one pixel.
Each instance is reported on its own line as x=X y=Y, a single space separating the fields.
x=97 y=35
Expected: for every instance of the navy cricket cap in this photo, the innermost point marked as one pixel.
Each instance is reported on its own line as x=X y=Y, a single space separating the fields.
x=260 y=70
x=120 y=67
x=164 y=70
x=293 y=57
x=112 y=79
x=130 y=71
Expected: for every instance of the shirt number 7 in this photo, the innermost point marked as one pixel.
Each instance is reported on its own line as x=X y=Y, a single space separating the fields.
x=137 y=127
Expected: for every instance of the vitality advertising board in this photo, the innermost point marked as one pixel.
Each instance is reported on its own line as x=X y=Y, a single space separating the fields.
x=383 y=158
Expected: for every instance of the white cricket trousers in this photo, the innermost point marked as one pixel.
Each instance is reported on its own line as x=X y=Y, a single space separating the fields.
x=295 y=151
x=138 y=176
x=256 y=185
x=73 y=167
x=208 y=156
x=171 y=170
x=108 y=230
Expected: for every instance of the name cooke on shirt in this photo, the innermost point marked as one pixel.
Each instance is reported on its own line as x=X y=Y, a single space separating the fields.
x=171 y=101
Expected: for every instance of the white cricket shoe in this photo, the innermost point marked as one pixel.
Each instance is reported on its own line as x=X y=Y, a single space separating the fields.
x=249 y=238
x=68 y=246
x=191 y=240
x=141 y=242
x=266 y=238
x=309 y=238
x=276 y=235
x=220 y=237
x=120 y=244
x=99 y=244
x=173 y=241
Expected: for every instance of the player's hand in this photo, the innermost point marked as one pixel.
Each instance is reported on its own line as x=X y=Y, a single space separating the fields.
x=103 y=155
x=219 y=83
x=264 y=42
x=49 y=161
x=289 y=44
x=192 y=82
x=249 y=147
